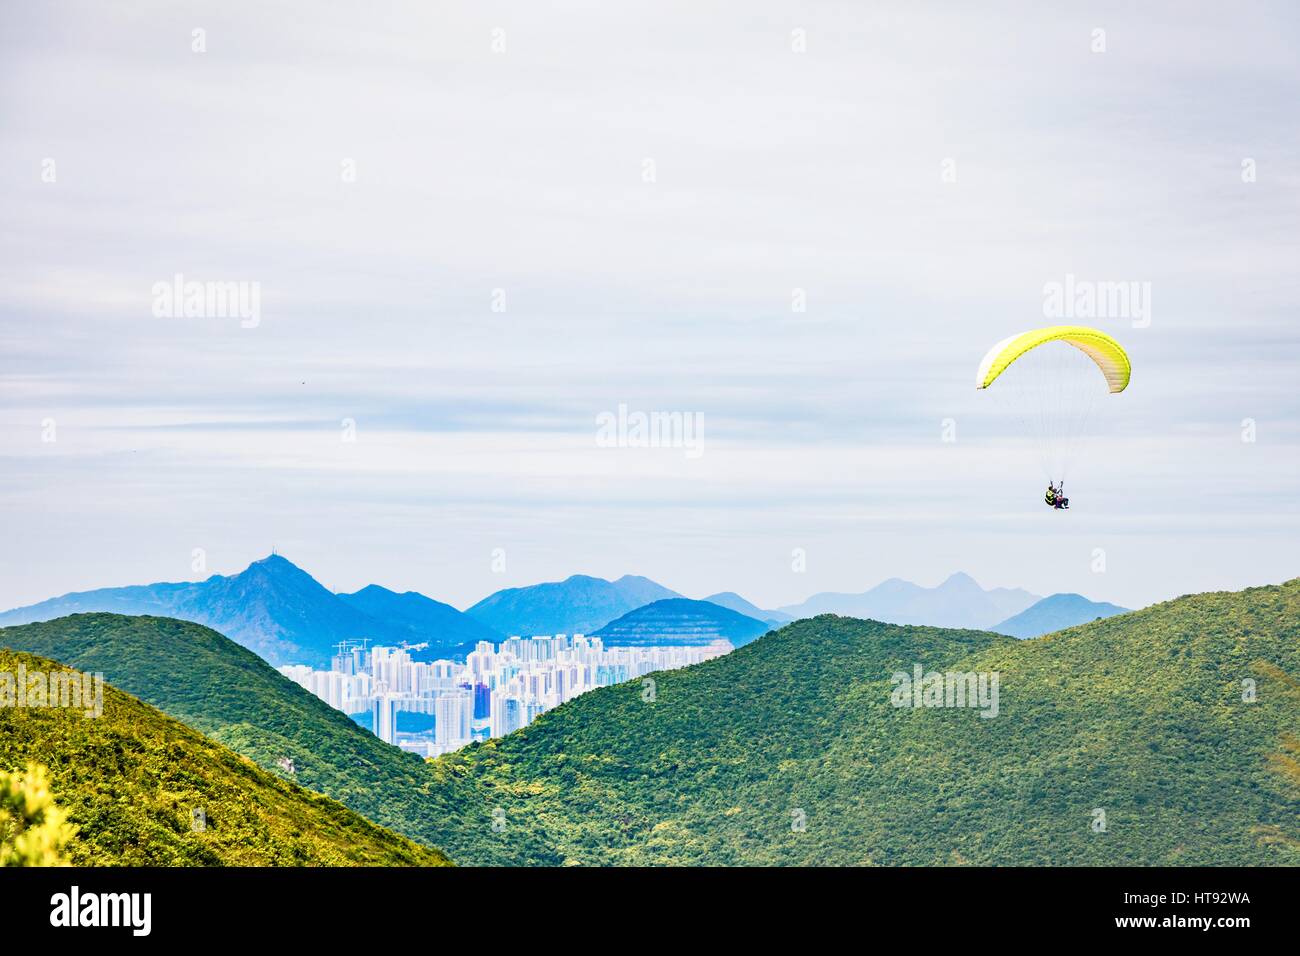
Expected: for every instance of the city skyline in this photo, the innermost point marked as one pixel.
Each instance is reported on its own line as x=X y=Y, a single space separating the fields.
x=500 y=688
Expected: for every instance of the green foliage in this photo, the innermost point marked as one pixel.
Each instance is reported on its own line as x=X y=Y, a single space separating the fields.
x=33 y=830
x=1140 y=716
x=131 y=780
x=212 y=684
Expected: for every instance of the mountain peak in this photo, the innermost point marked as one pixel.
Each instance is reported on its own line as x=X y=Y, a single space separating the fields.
x=274 y=561
x=579 y=604
x=681 y=621
x=1054 y=613
x=373 y=590
x=958 y=602
x=277 y=571
x=275 y=566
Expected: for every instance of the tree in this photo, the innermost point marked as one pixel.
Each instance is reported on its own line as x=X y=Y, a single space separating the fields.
x=33 y=829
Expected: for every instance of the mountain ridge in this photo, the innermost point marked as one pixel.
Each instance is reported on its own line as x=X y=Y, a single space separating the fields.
x=733 y=601
x=273 y=607
x=423 y=615
x=580 y=604
x=958 y=601
x=1054 y=613
x=681 y=622
x=1140 y=716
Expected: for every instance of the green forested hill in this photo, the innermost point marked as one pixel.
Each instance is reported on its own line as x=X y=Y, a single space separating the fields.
x=1139 y=716
x=130 y=780
x=212 y=684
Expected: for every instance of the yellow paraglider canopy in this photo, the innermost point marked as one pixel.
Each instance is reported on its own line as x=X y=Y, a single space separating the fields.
x=1100 y=347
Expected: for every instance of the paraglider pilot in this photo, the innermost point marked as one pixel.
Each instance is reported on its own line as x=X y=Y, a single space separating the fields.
x=1055 y=496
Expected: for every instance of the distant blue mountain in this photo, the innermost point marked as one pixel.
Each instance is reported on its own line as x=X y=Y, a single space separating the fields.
x=576 y=605
x=1055 y=613
x=681 y=622
x=732 y=600
x=272 y=607
x=428 y=621
x=957 y=602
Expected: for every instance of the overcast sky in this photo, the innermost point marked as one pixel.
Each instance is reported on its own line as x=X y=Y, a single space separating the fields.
x=502 y=155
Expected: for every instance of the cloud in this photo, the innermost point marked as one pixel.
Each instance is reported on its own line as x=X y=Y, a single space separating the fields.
x=485 y=178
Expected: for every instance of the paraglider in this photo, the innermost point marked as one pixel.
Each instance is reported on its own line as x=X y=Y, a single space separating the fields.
x=1055 y=496
x=1048 y=379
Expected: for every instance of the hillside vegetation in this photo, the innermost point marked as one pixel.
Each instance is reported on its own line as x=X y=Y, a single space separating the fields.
x=788 y=750
x=229 y=693
x=131 y=779
x=1140 y=718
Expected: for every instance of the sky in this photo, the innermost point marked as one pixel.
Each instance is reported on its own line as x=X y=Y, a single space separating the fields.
x=475 y=229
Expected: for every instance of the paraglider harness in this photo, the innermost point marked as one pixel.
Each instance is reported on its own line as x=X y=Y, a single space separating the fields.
x=1055 y=497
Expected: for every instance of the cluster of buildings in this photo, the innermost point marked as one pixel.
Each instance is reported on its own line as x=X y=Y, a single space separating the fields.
x=434 y=707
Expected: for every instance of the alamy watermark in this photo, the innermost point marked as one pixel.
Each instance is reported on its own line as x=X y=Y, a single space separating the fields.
x=179 y=299
x=75 y=908
x=976 y=690
x=1087 y=299
x=63 y=688
x=629 y=429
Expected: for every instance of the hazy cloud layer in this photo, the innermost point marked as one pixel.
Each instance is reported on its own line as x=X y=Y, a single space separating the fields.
x=523 y=171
